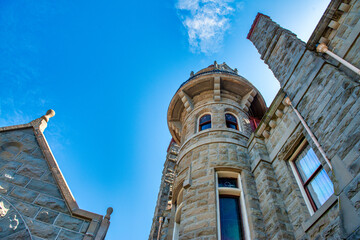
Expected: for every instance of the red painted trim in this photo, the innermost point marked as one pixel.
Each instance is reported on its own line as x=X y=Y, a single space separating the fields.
x=313 y=205
x=313 y=175
x=257 y=18
x=172 y=141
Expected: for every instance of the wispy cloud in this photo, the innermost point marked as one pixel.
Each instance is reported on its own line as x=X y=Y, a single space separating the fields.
x=206 y=22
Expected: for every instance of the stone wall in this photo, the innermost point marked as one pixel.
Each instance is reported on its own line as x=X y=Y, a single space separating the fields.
x=165 y=193
x=326 y=94
x=30 y=200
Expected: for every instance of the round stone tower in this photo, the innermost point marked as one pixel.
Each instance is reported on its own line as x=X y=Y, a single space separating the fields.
x=211 y=117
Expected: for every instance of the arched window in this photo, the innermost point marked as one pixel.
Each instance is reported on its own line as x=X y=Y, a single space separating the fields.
x=231 y=121
x=231 y=211
x=205 y=122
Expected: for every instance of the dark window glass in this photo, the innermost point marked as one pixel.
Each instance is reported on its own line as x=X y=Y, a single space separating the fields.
x=315 y=180
x=205 y=118
x=231 y=121
x=228 y=182
x=205 y=122
x=230 y=220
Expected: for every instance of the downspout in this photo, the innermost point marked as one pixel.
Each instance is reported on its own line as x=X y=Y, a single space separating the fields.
x=160 y=223
x=322 y=48
x=288 y=102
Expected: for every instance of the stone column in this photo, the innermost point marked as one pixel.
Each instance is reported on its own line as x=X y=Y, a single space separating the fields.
x=272 y=204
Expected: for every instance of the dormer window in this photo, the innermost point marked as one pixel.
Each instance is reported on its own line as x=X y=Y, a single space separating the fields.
x=205 y=122
x=231 y=121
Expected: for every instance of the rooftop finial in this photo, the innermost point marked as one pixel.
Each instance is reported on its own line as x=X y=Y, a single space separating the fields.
x=49 y=114
x=216 y=65
x=109 y=211
x=192 y=73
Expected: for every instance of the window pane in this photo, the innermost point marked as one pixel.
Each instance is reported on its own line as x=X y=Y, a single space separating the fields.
x=307 y=163
x=205 y=126
x=320 y=188
x=230 y=220
x=230 y=118
x=228 y=182
x=231 y=125
x=205 y=118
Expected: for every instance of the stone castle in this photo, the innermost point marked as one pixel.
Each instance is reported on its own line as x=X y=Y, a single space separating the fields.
x=236 y=169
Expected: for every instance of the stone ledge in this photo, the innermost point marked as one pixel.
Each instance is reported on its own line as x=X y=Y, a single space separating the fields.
x=209 y=141
x=16 y=127
x=211 y=130
x=319 y=213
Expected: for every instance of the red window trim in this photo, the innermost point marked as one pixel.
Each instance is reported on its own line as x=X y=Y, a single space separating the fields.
x=305 y=184
x=229 y=121
x=204 y=123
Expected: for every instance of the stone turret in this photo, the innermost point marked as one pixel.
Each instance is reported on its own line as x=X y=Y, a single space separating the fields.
x=209 y=117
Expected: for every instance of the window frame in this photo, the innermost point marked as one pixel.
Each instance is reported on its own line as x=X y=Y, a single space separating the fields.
x=237 y=121
x=177 y=217
x=303 y=185
x=233 y=192
x=198 y=122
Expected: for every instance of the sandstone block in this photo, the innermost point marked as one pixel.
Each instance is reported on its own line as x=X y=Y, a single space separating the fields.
x=42 y=230
x=47 y=216
x=12 y=165
x=28 y=210
x=34 y=161
x=65 y=235
x=5 y=187
x=12 y=177
x=19 y=235
x=69 y=222
x=52 y=203
x=24 y=194
x=43 y=187
x=30 y=171
x=48 y=177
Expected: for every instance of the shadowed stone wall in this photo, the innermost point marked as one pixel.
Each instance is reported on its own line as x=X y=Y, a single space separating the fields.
x=165 y=194
x=30 y=200
x=326 y=94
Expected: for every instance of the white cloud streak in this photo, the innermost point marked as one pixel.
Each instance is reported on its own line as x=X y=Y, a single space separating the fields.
x=206 y=22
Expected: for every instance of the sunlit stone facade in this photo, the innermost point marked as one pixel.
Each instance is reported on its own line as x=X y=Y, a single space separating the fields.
x=292 y=175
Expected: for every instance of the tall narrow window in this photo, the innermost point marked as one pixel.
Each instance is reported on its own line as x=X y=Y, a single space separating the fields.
x=231 y=121
x=178 y=207
x=232 y=221
x=205 y=122
x=314 y=180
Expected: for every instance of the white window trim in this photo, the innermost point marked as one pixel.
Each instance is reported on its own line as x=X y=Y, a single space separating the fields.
x=237 y=119
x=297 y=177
x=235 y=192
x=198 y=121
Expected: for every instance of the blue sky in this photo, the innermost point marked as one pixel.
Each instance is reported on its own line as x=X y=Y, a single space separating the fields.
x=109 y=69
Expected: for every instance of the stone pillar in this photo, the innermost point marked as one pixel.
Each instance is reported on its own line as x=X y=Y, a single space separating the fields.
x=272 y=205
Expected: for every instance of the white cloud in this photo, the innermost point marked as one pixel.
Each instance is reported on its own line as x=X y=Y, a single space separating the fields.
x=206 y=22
